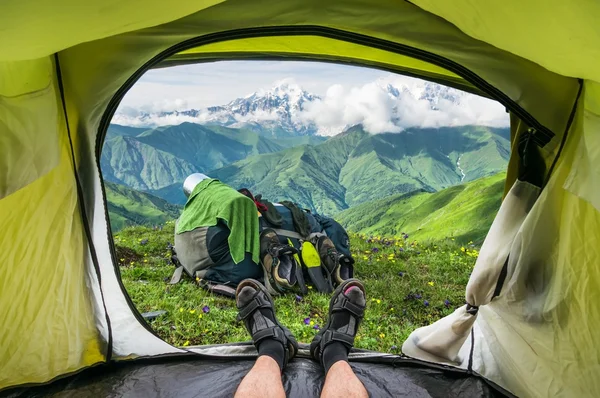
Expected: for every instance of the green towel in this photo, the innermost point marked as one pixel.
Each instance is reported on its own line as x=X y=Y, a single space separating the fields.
x=212 y=201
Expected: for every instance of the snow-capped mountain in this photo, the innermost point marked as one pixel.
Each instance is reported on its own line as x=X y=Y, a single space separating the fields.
x=385 y=105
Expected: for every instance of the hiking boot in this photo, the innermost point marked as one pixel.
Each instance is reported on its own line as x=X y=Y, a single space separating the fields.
x=346 y=311
x=330 y=259
x=278 y=263
x=257 y=311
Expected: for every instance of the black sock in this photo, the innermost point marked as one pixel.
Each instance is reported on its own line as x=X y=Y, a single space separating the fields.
x=344 y=322
x=333 y=353
x=272 y=348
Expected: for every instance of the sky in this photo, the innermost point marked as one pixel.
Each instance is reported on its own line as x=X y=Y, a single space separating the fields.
x=349 y=95
x=216 y=83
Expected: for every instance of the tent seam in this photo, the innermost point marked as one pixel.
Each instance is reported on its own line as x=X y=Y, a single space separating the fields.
x=82 y=210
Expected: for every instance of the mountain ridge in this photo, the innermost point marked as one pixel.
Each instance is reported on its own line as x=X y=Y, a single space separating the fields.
x=355 y=167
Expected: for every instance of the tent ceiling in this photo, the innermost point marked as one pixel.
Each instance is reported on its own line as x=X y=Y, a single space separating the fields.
x=319 y=48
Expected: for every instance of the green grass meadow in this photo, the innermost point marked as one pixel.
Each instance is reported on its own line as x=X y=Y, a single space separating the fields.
x=409 y=284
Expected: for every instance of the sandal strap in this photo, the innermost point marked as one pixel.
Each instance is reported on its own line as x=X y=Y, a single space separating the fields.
x=273 y=332
x=259 y=301
x=331 y=336
x=344 y=304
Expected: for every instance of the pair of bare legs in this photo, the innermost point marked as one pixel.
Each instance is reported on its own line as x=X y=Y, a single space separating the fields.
x=264 y=380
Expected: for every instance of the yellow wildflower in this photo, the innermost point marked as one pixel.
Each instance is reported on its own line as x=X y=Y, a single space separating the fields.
x=462 y=249
x=200 y=316
x=367 y=251
x=187 y=343
x=145 y=260
x=192 y=311
x=310 y=287
x=378 y=301
x=430 y=283
x=381 y=335
x=181 y=310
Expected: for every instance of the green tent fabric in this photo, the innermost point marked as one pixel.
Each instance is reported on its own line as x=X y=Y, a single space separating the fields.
x=65 y=65
x=211 y=201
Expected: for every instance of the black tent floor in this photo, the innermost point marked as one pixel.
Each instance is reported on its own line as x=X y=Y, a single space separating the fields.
x=303 y=377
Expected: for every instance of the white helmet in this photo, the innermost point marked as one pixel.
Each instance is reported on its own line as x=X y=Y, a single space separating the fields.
x=190 y=183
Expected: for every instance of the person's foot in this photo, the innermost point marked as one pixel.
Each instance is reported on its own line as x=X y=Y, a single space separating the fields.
x=346 y=311
x=256 y=309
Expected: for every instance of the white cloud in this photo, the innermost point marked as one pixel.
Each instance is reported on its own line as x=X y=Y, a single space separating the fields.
x=420 y=104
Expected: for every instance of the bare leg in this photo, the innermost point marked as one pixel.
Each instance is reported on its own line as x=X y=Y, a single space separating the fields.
x=342 y=382
x=263 y=380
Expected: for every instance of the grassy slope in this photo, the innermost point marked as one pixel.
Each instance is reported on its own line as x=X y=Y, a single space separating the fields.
x=407 y=284
x=463 y=211
x=129 y=207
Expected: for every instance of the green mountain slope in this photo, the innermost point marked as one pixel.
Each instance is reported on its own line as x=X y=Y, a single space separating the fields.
x=129 y=207
x=154 y=159
x=463 y=211
x=356 y=167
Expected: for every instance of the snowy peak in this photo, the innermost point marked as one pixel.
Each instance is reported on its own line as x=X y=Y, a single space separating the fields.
x=389 y=104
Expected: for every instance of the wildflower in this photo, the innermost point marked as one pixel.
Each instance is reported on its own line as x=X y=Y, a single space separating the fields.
x=145 y=260
x=316 y=327
x=206 y=309
x=197 y=279
x=426 y=303
x=131 y=263
x=307 y=321
x=430 y=283
x=200 y=316
x=462 y=249
x=310 y=287
x=375 y=250
x=392 y=348
x=367 y=252
x=365 y=258
x=405 y=236
x=401 y=273
x=180 y=309
x=447 y=303
x=418 y=296
x=401 y=249
x=122 y=259
x=187 y=343
x=381 y=335
x=392 y=309
x=144 y=242
x=192 y=311
x=378 y=301
x=298 y=298
x=311 y=322
x=418 y=252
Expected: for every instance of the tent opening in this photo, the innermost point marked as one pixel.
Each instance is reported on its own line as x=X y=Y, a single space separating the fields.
x=412 y=169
